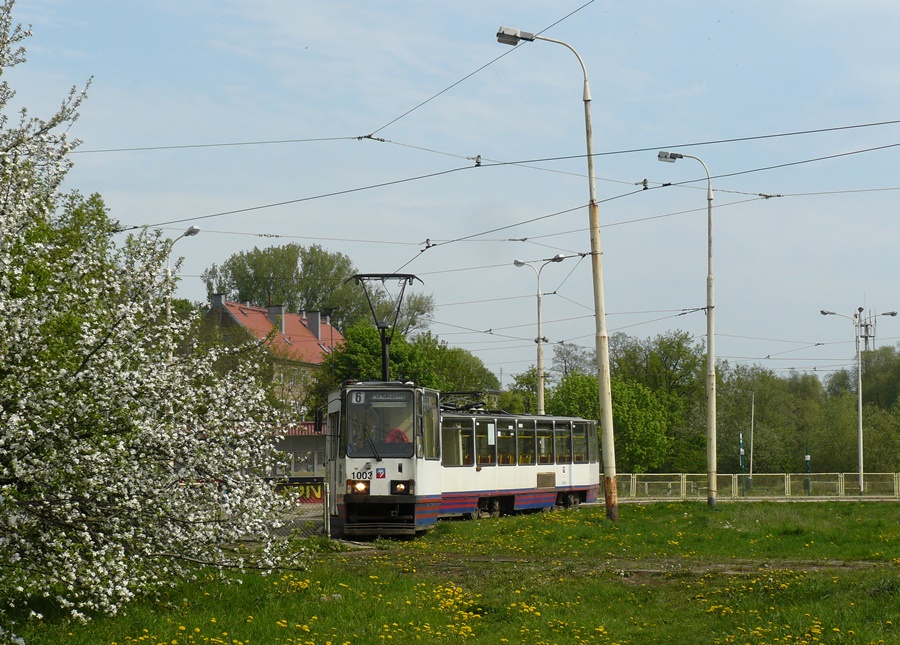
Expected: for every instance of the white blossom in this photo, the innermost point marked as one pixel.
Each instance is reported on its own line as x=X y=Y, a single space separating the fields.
x=128 y=458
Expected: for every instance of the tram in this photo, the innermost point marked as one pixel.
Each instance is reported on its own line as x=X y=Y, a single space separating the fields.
x=397 y=460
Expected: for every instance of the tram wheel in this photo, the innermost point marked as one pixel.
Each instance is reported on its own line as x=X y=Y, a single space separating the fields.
x=495 y=508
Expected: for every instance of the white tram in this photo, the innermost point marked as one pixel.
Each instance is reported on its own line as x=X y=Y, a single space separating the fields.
x=397 y=461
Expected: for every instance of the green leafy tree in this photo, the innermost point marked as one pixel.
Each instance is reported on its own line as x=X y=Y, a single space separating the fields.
x=310 y=279
x=787 y=412
x=840 y=382
x=426 y=360
x=453 y=369
x=359 y=358
x=416 y=311
x=520 y=397
x=672 y=363
x=881 y=376
x=572 y=359
x=833 y=447
x=881 y=440
x=401 y=311
x=673 y=367
x=512 y=401
x=833 y=444
x=639 y=418
x=301 y=279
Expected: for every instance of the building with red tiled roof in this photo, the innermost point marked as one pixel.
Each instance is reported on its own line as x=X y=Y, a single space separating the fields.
x=297 y=337
x=297 y=342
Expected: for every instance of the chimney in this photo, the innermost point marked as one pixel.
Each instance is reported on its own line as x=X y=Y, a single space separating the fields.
x=218 y=300
x=314 y=323
x=276 y=316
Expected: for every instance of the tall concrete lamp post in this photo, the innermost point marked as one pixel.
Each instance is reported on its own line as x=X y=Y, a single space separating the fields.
x=540 y=340
x=859 y=322
x=510 y=36
x=672 y=157
x=193 y=230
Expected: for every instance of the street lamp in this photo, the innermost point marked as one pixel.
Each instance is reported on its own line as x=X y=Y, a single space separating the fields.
x=540 y=340
x=510 y=36
x=858 y=323
x=192 y=231
x=672 y=157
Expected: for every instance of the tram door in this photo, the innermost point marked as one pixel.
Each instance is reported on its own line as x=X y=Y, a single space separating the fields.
x=334 y=464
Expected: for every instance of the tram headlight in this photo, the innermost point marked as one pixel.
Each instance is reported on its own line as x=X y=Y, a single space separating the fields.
x=403 y=487
x=357 y=487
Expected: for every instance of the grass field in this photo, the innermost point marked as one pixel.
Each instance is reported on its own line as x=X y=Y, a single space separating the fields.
x=772 y=573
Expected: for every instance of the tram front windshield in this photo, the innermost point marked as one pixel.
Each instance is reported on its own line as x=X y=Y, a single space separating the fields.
x=380 y=423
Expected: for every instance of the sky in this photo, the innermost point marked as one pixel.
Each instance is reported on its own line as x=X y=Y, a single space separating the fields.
x=357 y=126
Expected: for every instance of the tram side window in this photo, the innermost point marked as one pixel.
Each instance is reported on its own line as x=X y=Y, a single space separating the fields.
x=506 y=442
x=457 y=437
x=526 y=443
x=486 y=442
x=545 y=442
x=580 y=442
x=563 y=438
x=593 y=442
x=430 y=423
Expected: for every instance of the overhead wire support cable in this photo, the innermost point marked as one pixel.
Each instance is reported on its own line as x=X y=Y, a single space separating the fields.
x=302 y=199
x=454 y=170
x=230 y=144
x=471 y=74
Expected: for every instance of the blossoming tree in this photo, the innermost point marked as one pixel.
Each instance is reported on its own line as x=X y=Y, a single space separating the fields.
x=128 y=456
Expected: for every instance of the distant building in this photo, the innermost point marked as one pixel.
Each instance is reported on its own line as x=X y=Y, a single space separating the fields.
x=298 y=343
x=303 y=338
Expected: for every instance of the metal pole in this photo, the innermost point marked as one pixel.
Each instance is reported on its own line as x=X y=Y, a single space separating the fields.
x=806 y=458
x=710 y=352
x=169 y=299
x=385 y=352
x=540 y=340
x=857 y=321
x=510 y=36
x=190 y=232
x=710 y=334
x=540 y=347
x=601 y=335
x=752 y=415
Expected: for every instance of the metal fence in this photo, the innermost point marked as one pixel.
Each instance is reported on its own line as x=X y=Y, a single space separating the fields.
x=760 y=486
x=309 y=516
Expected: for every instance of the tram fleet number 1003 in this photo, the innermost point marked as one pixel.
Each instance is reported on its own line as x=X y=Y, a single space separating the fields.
x=397 y=460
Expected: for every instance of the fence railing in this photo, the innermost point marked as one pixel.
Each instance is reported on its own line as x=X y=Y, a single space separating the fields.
x=688 y=486
x=310 y=515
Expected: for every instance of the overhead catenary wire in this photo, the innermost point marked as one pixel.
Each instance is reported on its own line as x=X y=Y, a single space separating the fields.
x=682 y=312
x=227 y=144
x=464 y=168
x=719 y=191
x=471 y=74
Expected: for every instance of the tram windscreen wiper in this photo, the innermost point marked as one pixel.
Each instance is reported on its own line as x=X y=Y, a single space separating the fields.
x=371 y=442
